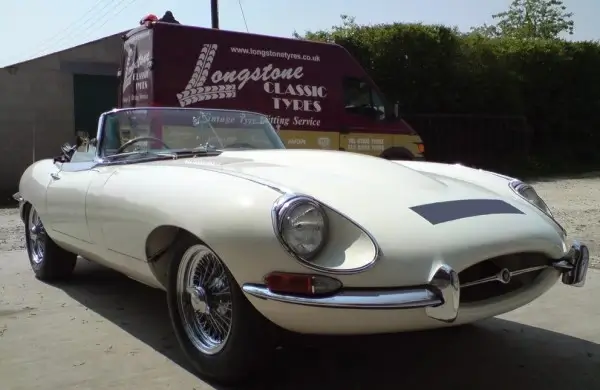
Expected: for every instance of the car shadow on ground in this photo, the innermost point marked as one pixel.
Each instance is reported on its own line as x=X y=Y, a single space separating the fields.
x=495 y=354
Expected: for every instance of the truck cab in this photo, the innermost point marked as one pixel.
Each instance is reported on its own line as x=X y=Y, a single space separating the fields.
x=315 y=94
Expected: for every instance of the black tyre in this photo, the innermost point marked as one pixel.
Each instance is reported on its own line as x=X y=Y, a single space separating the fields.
x=397 y=154
x=225 y=339
x=48 y=261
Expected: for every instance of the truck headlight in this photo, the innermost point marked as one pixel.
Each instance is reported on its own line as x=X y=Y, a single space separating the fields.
x=301 y=225
x=528 y=193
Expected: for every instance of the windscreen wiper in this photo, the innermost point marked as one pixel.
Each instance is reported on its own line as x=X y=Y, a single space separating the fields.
x=199 y=151
x=142 y=154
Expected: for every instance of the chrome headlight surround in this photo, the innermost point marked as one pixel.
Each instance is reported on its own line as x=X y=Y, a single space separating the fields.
x=294 y=213
x=528 y=193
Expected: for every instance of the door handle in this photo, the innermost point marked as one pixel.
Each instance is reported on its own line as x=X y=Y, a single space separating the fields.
x=55 y=176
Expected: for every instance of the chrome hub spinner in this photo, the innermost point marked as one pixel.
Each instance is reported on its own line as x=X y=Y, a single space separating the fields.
x=504 y=276
x=199 y=299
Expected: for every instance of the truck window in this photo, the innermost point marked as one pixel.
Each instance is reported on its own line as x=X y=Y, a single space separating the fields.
x=361 y=99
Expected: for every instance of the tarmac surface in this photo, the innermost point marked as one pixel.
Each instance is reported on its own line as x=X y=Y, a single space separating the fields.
x=105 y=331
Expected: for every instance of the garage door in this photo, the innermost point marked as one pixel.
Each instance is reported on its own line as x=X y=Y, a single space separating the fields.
x=93 y=95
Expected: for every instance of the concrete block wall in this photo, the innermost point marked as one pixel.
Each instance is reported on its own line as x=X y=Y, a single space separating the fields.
x=37 y=108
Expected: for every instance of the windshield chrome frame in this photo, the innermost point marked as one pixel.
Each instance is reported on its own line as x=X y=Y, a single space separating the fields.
x=99 y=158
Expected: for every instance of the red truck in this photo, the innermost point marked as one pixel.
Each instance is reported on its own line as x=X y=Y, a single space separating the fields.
x=317 y=95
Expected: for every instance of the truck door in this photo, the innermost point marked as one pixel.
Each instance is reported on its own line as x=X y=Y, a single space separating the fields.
x=363 y=127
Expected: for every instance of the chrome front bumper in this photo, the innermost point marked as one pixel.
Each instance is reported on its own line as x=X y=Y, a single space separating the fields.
x=440 y=297
x=17 y=196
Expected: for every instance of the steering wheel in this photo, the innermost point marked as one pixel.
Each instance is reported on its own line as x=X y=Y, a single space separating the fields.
x=139 y=139
x=239 y=145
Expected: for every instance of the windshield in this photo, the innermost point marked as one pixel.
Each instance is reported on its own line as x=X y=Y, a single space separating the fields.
x=174 y=131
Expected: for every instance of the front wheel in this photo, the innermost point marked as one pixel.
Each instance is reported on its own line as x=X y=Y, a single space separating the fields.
x=220 y=332
x=48 y=261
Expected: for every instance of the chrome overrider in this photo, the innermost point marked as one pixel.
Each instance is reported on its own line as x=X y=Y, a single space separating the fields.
x=440 y=297
x=574 y=265
x=17 y=196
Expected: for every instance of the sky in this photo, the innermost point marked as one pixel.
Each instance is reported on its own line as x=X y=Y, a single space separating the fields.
x=32 y=28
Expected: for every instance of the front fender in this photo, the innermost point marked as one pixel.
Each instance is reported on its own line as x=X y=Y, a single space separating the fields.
x=230 y=214
x=33 y=184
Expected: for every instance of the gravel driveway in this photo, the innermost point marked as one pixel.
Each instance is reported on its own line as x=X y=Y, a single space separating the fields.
x=11 y=231
x=575 y=203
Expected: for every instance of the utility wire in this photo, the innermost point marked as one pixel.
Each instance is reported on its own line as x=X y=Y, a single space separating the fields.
x=88 y=16
x=243 y=16
x=106 y=20
x=97 y=18
x=44 y=45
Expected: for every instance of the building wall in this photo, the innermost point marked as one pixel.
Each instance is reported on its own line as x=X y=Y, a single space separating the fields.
x=36 y=105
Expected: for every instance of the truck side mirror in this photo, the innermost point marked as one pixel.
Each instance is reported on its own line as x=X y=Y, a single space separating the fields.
x=396 y=109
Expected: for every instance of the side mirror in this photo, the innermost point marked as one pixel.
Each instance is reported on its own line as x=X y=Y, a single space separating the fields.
x=66 y=147
x=391 y=116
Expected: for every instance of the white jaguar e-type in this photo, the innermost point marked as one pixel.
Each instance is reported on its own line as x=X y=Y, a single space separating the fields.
x=248 y=238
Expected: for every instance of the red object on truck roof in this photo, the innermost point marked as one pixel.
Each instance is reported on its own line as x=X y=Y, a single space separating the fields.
x=149 y=18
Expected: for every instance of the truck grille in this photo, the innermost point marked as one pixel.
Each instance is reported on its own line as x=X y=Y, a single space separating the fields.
x=500 y=275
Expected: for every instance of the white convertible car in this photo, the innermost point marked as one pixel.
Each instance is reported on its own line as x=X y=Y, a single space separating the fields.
x=248 y=238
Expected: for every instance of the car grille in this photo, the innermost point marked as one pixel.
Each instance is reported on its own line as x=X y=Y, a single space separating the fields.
x=500 y=275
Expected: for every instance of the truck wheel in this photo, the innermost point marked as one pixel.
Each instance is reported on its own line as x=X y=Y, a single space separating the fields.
x=48 y=261
x=401 y=157
x=220 y=332
x=397 y=153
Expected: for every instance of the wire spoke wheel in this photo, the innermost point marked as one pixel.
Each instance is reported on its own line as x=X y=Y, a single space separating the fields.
x=37 y=237
x=204 y=299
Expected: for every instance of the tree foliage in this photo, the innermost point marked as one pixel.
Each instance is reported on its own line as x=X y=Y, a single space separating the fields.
x=530 y=19
x=437 y=70
x=347 y=27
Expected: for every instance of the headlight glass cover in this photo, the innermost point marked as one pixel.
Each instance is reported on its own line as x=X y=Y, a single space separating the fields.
x=528 y=193
x=301 y=224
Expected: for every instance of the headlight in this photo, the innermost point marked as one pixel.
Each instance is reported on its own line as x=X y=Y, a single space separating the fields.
x=301 y=225
x=527 y=192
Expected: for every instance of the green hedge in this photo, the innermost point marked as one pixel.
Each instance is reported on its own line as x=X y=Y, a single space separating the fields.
x=555 y=85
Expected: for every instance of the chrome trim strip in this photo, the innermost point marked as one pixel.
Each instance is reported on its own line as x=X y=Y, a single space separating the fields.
x=504 y=276
x=282 y=200
x=100 y=136
x=354 y=299
x=440 y=298
x=573 y=266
